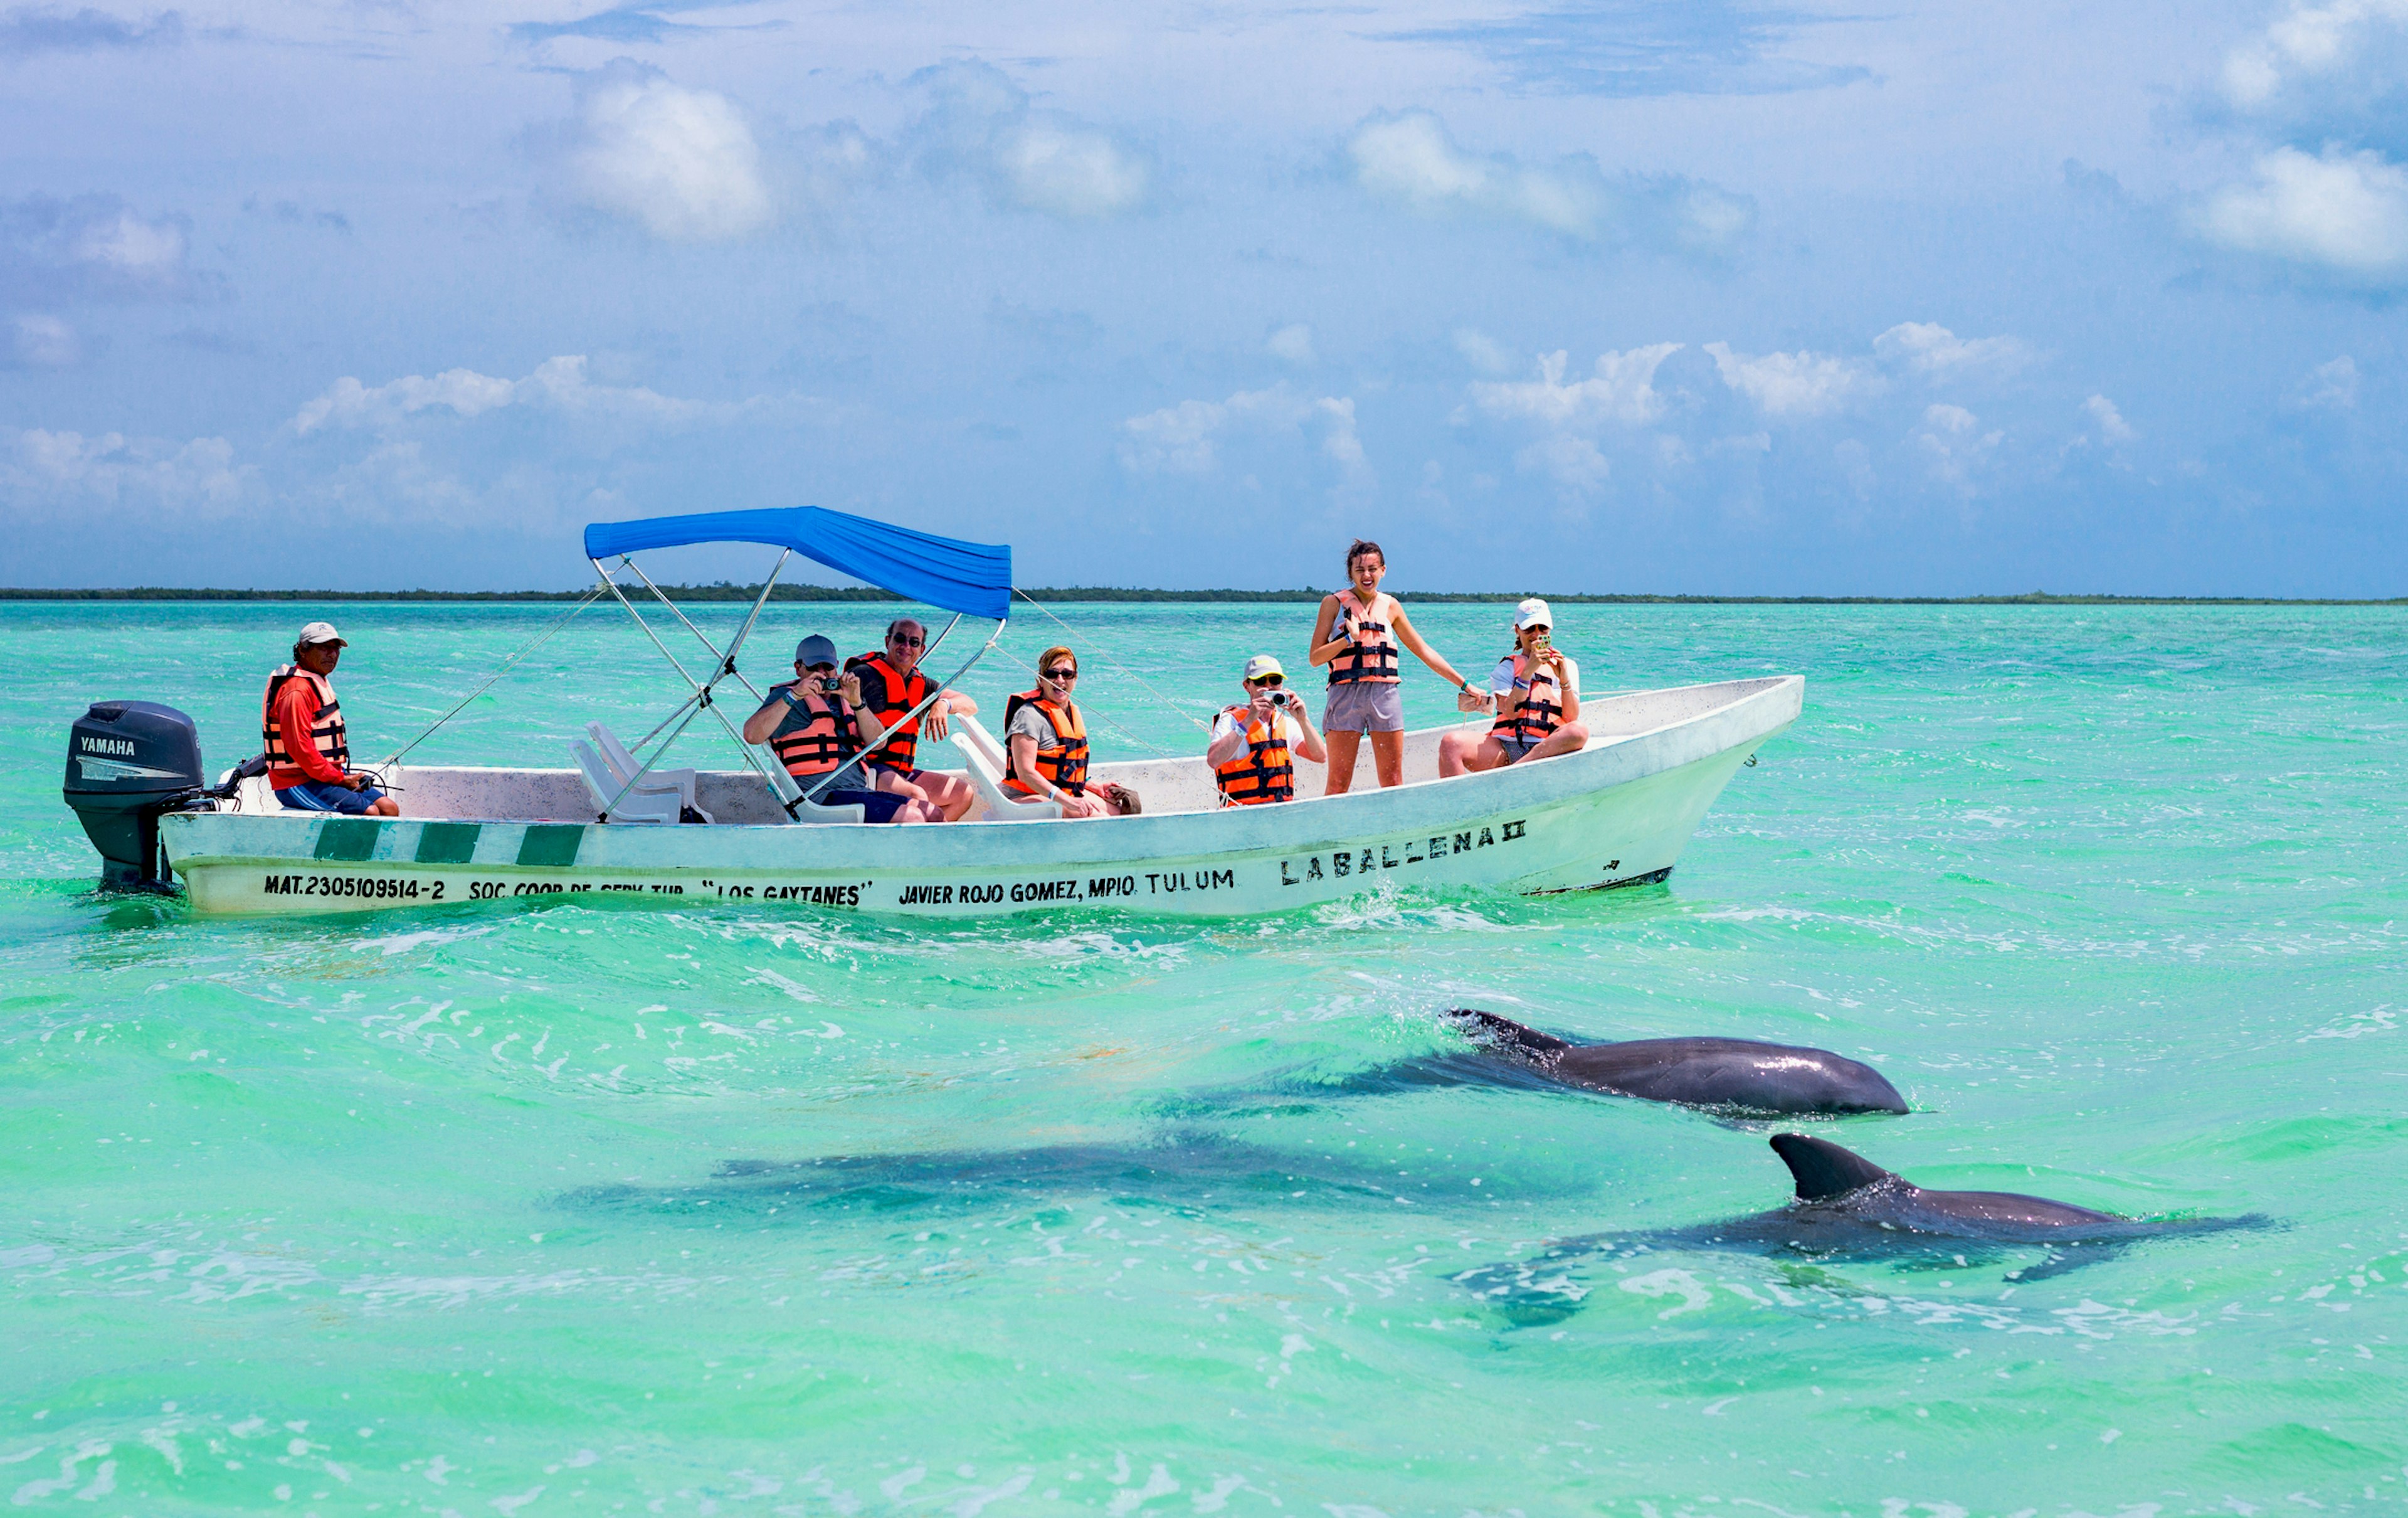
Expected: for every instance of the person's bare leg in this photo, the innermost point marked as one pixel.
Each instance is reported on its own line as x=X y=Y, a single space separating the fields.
x=1341 y=762
x=1569 y=739
x=950 y=792
x=1388 y=757
x=385 y=807
x=1451 y=749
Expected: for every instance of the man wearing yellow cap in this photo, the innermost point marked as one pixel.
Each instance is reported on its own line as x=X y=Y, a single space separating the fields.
x=1253 y=744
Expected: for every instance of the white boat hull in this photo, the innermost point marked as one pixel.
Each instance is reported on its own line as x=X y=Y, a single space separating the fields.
x=1617 y=813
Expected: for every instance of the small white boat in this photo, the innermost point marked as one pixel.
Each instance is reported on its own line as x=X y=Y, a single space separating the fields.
x=1617 y=813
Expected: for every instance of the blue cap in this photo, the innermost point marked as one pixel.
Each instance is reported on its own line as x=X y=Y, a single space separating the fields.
x=814 y=650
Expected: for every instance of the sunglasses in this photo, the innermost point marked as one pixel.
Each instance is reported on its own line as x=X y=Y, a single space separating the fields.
x=819 y=670
x=1271 y=682
x=907 y=642
x=1065 y=673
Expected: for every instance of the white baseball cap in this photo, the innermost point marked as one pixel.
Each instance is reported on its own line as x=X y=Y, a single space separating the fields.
x=320 y=632
x=1532 y=614
x=1262 y=666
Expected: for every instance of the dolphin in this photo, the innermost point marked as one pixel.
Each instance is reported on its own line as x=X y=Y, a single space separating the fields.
x=1848 y=1207
x=1736 y=1076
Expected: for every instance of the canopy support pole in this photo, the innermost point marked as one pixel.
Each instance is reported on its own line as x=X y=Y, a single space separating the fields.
x=936 y=691
x=701 y=695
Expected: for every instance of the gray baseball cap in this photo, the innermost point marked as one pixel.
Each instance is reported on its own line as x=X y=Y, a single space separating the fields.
x=814 y=650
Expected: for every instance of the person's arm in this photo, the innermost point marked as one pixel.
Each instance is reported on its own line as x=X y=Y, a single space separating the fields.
x=1568 y=677
x=1428 y=656
x=293 y=719
x=1324 y=648
x=866 y=724
x=762 y=724
x=1309 y=742
x=1228 y=740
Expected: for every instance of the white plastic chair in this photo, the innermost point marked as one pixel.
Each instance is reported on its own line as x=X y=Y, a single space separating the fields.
x=644 y=802
x=624 y=764
x=982 y=757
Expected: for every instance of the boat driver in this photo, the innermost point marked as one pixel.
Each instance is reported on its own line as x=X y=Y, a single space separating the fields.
x=1537 y=692
x=807 y=724
x=1253 y=745
x=891 y=685
x=301 y=724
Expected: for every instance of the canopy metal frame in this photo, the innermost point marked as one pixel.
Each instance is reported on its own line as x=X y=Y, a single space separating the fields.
x=782 y=787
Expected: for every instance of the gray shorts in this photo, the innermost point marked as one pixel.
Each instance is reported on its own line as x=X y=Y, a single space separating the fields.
x=1515 y=748
x=1363 y=706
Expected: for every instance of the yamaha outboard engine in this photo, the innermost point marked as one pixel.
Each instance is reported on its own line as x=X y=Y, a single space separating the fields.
x=127 y=762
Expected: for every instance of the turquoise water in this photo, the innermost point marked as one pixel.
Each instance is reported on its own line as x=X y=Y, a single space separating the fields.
x=499 y=1211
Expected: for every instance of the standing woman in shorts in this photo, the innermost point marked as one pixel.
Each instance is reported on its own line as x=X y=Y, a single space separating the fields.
x=1358 y=635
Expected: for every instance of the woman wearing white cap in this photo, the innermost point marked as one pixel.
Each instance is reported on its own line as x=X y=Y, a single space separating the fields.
x=1252 y=744
x=1538 y=702
x=301 y=726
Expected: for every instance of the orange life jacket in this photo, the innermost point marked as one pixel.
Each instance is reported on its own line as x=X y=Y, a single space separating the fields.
x=1264 y=772
x=1067 y=767
x=1541 y=710
x=326 y=732
x=816 y=737
x=1372 y=657
x=900 y=747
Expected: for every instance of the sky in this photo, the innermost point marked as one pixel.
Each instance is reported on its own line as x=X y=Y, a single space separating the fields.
x=1697 y=296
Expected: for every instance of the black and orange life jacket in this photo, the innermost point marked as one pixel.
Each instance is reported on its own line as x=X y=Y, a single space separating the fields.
x=816 y=737
x=900 y=747
x=1541 y=710
x=1264 y=772
x=1066 y=766
x=1373 y=658
x=326 y=732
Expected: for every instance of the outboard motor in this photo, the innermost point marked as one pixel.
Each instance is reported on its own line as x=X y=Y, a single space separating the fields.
x=127 y=762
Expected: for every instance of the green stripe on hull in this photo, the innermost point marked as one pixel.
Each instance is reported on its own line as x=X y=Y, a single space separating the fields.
x=447 y=843
x=346 y=837
x=552 y=844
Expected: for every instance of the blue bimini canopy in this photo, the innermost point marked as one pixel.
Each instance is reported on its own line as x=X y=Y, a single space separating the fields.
x=975 y=577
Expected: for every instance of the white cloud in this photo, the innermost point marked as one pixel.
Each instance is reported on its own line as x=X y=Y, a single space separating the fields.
x=2345 y=211
x=1931 y=348
x=1411 y=158
x=41 y=342
x=2113 y=429
x=55 y=473
x=1954 y=445
x=1572 y=462
x=93 y=247
x=1068 y=171
x=1482 y=351
x=681 y=161
x=1293 y=342
x=1186 y=438
x=1794 y=384
x=2308 y=45
x=979 y=125
x=557 y=384
x=2331 y=386
x=1621 y=388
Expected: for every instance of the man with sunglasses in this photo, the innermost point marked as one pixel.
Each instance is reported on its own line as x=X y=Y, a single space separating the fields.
x=891 y=685
x=1253 y=745
x=807 y=723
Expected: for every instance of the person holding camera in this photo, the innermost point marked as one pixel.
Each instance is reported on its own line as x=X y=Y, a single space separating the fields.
x=807 y=723
x=1538 y=703
x=1252 y=749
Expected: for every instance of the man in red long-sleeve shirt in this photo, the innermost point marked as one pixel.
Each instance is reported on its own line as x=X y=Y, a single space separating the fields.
x=308 y=750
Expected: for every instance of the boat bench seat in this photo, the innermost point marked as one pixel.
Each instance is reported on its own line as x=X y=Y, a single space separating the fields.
x=983 y=758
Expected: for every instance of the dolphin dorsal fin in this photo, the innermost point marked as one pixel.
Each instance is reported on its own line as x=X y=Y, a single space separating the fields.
x=1510 y=1034
x=1823 y=1168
